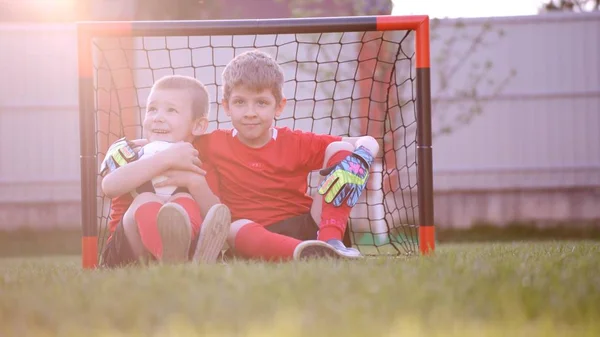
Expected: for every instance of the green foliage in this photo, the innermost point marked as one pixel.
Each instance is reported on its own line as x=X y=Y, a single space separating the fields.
x=570 y=6
x=177 y=10
x=197 y=10
x=312 y=8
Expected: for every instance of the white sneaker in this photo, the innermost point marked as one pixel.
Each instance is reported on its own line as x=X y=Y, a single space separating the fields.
x=320 y=249
x=213 y=234
x=175 y=232
x=347 y=252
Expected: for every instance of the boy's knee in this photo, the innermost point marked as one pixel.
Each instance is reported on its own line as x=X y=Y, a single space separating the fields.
x=139 y=200
x=129 y=226
x=336 y=147
x=235 y=227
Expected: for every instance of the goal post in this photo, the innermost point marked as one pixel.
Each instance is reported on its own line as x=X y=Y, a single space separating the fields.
x=366 y=74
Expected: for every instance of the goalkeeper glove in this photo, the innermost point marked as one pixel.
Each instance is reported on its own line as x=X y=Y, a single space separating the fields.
x=118 y=154
x=347 y=179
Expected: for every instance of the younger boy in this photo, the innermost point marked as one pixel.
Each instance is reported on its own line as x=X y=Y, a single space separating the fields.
x=262 y=171
x=144 y=225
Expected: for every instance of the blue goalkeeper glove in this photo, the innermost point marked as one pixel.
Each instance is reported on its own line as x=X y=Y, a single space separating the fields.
x=118 y=154
x=347 y=179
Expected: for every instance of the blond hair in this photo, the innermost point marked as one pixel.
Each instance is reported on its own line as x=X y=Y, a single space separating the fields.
x=197 y=90
x=254 y=70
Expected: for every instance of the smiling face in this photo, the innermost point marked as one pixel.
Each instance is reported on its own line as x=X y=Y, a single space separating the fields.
x=170 y=116
x=253 y=95
x=252 y=113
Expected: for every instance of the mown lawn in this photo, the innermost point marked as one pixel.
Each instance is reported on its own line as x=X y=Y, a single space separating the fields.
x=484 y=289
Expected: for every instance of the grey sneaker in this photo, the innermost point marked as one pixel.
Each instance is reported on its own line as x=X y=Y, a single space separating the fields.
x=175 y=233
x=213 y=234
x=320 y=249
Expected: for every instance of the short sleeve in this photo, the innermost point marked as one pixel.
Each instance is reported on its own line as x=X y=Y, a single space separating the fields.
x=212 y=178
x=202 y=145
x=312 y=148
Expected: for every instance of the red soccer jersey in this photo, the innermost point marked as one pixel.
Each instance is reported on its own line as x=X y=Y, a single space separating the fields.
x=268 y=184
x=118 y=207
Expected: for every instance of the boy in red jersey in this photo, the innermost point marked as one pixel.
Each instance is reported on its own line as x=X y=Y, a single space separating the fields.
x=152 y=223
x=262 y=171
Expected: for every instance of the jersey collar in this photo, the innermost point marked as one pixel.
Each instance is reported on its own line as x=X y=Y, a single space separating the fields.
x=274 y=132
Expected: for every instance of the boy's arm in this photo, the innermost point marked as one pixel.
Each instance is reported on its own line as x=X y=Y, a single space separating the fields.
x=312 y=147
x=203 y=195
x=129 y=177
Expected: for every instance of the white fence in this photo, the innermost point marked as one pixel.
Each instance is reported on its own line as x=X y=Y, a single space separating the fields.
x=39 y=130
x=539 y=132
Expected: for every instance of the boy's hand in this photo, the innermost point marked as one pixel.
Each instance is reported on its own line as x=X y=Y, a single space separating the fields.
x=181 y=178
x=347 y=179
x=183 y=156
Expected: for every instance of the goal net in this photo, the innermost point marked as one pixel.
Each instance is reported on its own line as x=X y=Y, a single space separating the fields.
x=344 y=76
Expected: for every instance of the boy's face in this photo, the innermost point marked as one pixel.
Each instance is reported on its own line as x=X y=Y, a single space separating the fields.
x=252 y=114
x=169 y=117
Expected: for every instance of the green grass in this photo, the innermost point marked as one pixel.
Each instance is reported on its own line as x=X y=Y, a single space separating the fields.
x=484 y=289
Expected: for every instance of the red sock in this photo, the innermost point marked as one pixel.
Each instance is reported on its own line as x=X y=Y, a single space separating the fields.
x=254 y=241
x=193 y=211
x=145 y=218
x=334 y=219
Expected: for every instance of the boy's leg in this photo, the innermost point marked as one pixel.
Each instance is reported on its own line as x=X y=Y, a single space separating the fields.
x=213 y=233
x=301 y=227
x=252 y=240
x=189 y=208
x=178 y=220
x=117 y=251
x=332 y=220
x=207 y=235
x=139 y=225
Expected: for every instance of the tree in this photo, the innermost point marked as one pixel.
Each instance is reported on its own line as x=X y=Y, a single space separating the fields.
x=570 y=6
x=312 y=8
x=457 y=53
x=236 y=9
x=177 y=9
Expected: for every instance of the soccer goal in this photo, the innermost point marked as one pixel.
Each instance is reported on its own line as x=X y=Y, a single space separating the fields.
x=348 y=76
